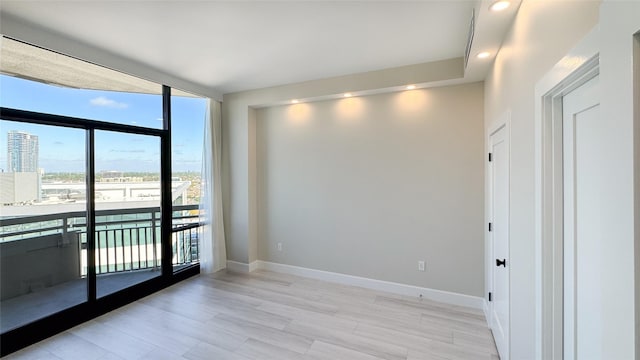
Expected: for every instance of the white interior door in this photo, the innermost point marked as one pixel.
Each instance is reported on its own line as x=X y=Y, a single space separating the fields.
x=499 y=261
x=583 y=237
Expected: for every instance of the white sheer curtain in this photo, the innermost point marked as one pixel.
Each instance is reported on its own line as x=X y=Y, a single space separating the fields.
x=213 y=252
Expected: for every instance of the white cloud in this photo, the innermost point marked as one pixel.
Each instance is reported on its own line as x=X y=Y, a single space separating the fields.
x=106 y=102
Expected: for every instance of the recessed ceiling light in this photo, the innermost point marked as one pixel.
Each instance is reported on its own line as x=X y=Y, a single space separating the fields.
x=411 y=87
x=483 y=55
x=347 y=95
x=295 y=101
x=499 y=5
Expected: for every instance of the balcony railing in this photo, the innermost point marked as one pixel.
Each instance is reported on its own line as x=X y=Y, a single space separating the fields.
x=126 y=239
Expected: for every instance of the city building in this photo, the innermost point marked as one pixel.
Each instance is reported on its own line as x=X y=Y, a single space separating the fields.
x=19 y=188
x=22 y=152
x=21 y=182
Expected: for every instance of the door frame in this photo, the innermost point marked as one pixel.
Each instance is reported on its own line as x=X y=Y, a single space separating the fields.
x=503 y=121
x=577 y=67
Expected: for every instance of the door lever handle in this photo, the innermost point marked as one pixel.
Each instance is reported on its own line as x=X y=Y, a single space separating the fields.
x=502 y=262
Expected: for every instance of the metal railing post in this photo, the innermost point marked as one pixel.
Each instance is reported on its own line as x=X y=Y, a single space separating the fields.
x=153 y=236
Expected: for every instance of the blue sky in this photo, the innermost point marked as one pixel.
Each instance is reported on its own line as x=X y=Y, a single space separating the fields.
x=62 y=149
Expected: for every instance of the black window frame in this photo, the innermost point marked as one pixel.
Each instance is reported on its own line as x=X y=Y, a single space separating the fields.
x=38 y=330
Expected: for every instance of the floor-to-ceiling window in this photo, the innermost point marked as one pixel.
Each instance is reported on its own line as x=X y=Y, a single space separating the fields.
x=91 y=213
x=188 y=113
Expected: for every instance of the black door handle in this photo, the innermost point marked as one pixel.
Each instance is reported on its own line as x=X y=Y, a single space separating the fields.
x=502 y=262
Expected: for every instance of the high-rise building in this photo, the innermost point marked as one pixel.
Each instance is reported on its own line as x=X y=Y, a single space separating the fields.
x=22 y=152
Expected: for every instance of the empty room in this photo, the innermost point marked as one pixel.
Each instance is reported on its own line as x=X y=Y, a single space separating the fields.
x=253 y=180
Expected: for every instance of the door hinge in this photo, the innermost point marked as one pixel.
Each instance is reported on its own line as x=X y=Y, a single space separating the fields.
x=490 y=227
x=490 y=296
x=490 y=157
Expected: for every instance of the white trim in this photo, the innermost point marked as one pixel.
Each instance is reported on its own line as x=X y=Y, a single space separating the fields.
x=380 y=285
x=560 y=79
x=498 y=123
x=242 y=267
x=237 y=266
x=485 y=309
x=254 y=265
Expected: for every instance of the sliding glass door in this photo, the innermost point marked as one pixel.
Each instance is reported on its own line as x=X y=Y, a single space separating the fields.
x=43 y=229
x=127 y=221
x=47 y=198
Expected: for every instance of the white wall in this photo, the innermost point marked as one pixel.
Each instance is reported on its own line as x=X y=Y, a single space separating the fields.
x=619 y=21
x=368 y=186
x=542 y=33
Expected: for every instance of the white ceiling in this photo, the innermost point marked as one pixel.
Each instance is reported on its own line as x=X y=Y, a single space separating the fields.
x=239 y=45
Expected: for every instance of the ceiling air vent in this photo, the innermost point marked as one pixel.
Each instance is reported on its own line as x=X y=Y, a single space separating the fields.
x=472 y=29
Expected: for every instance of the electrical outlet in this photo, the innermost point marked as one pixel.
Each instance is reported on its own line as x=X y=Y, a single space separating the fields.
x=421 y=265
x=279 y=246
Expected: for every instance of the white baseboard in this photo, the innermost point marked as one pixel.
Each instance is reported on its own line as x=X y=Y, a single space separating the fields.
x=392 y=287
x=485 y=309
x=238 y=266
x=254 y=265
x=242 y=267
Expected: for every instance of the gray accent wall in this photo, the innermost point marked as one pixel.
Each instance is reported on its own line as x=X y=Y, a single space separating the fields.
x=368 y=186
x=239 y=164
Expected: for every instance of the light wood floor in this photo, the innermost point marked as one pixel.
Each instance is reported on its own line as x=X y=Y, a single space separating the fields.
x=266 y=315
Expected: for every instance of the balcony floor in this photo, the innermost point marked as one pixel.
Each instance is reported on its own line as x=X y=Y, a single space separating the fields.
x=24 y=309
